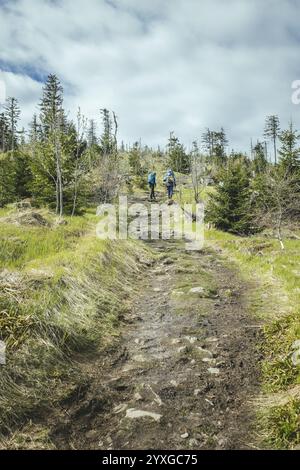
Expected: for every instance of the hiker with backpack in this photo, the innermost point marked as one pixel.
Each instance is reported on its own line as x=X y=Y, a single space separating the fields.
x=170 y=182
x=152 y=184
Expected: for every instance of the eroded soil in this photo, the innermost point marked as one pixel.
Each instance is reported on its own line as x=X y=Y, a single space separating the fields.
x=183 y=373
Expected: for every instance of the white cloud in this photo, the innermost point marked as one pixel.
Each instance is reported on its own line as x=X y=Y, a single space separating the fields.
x=24 y=88
x=161 y=65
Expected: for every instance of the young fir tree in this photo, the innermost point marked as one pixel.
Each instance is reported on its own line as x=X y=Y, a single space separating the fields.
x=259 y=163
x=109 y=163
x=51 y=105
x=135 y=159
x=49 y=158
x=23 y=174
x=115 y=135
x=215 y=143
x=198 y=169
x=35 y=131
x=79 y=166
x=7 y=179
x=178 y=159
x=229 y=207
x=289 y=152
x=12 y=114
x=275 y=200
x=208 y=140
x=220 y=144
x=92 y=139
x=4 y=133
x=272 y=129
x=93 y=149
x=106 y=141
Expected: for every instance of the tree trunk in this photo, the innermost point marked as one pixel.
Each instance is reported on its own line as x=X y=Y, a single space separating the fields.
x=75 y=196
x=59 y=180
x=279 y=234
x=57 y=198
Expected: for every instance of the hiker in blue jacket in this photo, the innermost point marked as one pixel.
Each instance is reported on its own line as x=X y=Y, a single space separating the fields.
x=170 y=182
x=152 y=184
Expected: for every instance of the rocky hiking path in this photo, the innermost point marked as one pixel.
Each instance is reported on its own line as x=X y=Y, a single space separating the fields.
x=185 y=369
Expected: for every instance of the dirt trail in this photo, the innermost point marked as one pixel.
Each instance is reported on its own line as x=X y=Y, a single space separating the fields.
x=184 y=370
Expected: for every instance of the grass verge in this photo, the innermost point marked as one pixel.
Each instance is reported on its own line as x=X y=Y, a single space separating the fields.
x=62 y=292
x=277 y=301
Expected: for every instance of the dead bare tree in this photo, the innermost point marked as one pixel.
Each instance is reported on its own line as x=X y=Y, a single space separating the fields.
x=81 y=126
x=277 y=201
x=109 y=183
x=198 y=171
x=58 y=159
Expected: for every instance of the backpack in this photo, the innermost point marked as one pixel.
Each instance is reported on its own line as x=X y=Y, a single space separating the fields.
x=151 y=178
x=170 y=179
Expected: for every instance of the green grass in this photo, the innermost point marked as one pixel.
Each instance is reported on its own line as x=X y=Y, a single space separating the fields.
x=21 y=244
x=185 y=194
x=277 y=301
x=4 y=211
x=62 y=292
x=282 y=424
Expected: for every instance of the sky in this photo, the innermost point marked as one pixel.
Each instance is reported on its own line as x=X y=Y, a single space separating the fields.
x=161 y=65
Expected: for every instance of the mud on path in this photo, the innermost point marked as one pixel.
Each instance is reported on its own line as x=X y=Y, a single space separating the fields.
x=183 y=373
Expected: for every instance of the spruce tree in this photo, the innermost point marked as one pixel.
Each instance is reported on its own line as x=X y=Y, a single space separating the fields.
x=106 y=141
x=229 y=207
x=12 y=113
x=51 y=105
x=4 y=133
x=272 y=129
x=220 y=144
x=178 y=159
x=135 y=159
x=289 y=152
x=53 y=125
x=198 y=169
x=109 y=164
x=22 y=173
x=259 y=159
x=78 y=163
x=208 y=141
x=7 y=179
x=92 y=133
x=35 y=131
